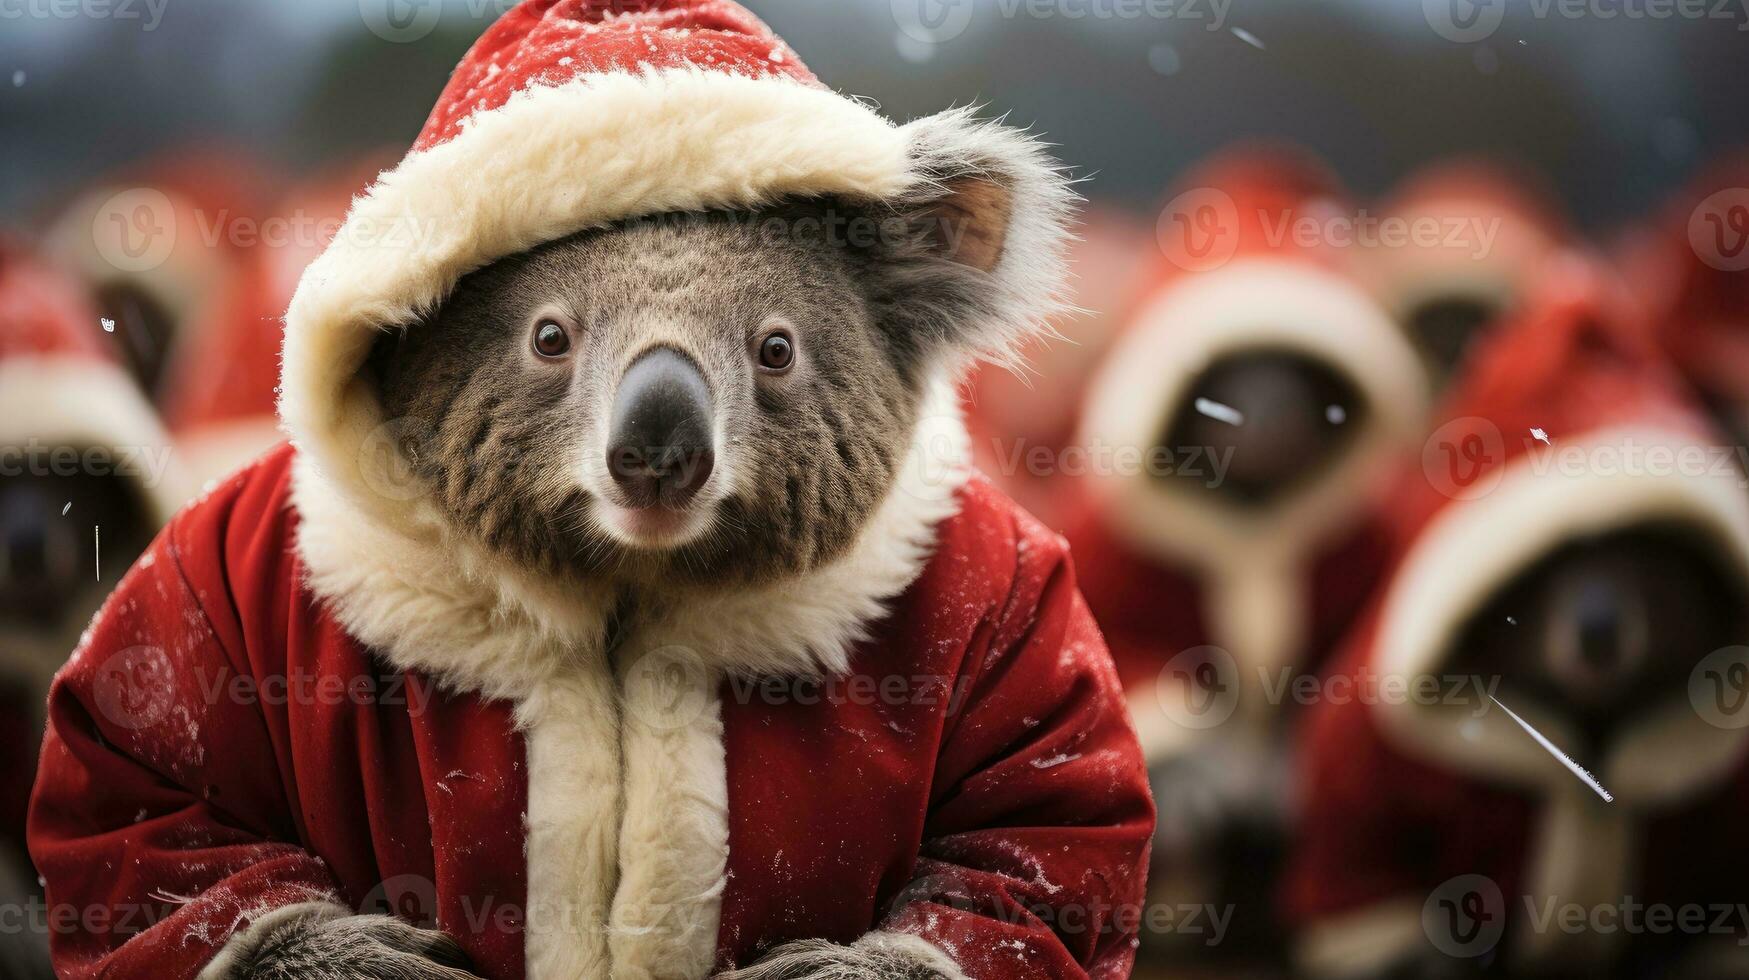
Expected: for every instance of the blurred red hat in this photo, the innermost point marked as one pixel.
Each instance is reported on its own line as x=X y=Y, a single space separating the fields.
x=1460 y=243
x=1568 y=427
x=1570 y=392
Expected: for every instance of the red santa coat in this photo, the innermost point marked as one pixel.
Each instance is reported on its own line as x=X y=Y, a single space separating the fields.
x=1405 y=796
x=680 y=798
x=221 y=748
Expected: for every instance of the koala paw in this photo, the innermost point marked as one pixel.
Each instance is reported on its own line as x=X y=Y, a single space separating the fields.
x=876 y=956
x=355 y=947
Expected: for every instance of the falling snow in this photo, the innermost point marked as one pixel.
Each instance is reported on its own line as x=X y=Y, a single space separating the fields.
x=1219 y=412
x=1561 y=757
x=1541 y=436
x=1248 y=37
x=1055 y=760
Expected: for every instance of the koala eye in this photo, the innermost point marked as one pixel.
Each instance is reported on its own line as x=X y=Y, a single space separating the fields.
x=551 y=340
x=777 y=351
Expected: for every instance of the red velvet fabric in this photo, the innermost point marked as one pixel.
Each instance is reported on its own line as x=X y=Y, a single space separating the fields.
x=999 y=809
x=551 y=42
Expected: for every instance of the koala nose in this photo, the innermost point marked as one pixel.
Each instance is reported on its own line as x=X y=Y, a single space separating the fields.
x=1275 y=416
x=659 y=448
x=1599 y=619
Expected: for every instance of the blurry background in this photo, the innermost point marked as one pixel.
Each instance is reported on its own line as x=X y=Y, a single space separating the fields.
x=251 y=124
x=1611 y=108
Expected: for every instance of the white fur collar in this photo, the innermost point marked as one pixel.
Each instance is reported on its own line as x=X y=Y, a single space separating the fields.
x=433 y=602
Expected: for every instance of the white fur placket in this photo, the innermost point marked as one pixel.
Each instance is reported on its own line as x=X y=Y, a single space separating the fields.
x=627 y=825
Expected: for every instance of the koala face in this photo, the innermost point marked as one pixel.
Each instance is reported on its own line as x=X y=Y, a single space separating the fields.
x=694 y=398
x=1608 y=626
x=1296 y=416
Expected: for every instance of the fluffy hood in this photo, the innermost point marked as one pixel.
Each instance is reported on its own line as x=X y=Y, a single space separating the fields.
x=581 y=118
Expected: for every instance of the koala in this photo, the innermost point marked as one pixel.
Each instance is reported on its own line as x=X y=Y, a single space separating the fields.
x=1606 y=627
x=696 y=399
x=704 y=398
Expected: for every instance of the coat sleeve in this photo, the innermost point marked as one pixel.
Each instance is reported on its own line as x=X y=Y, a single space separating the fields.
x=1035 y=855
x=155 y=852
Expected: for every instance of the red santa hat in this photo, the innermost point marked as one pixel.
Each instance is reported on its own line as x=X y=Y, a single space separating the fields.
x=1252 y=262
x=1473 y=229
x=60 y=385
x=583 y=113
x=221 y=387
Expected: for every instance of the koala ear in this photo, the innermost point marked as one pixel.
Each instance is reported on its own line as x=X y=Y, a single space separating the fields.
x=969 y=223
x=990 y=213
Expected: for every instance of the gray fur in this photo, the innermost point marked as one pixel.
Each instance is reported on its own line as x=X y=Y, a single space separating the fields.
x=874 y=957
x=356 y=947
x=512 y=446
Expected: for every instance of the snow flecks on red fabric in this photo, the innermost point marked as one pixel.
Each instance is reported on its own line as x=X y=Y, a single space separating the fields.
x=573 y=39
